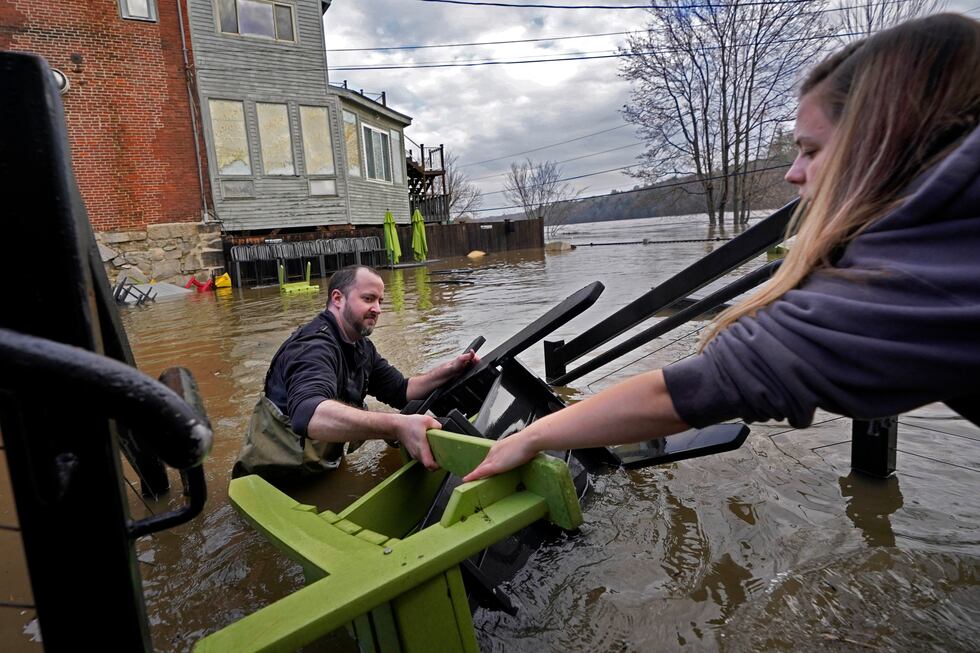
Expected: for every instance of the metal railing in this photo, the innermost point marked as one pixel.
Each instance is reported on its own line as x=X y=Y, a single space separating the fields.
x=344 y=251
x=738 y=251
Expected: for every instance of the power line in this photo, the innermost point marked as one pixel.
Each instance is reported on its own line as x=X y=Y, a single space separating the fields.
x=476 y=43
x=582 y=36
x=590 y=174
x=544 y=147
x=581 y=56
x=488 y=62
x=653 y=188
x=575 y=158
x=521 y=5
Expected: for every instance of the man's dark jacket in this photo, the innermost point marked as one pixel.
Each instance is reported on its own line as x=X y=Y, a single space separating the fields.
x=316 y=364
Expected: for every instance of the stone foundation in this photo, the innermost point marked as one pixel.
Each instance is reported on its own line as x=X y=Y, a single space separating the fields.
x=164 y=252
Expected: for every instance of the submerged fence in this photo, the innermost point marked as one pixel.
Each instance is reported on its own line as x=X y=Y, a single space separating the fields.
x=250 y=260
x=461 y=238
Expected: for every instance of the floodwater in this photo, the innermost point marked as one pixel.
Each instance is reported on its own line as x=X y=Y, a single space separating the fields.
x=774 y=547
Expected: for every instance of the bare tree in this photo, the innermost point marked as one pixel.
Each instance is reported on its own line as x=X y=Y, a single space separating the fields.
x=463 y=197
x=861 y=18
x=539 y=190
x=712 y=86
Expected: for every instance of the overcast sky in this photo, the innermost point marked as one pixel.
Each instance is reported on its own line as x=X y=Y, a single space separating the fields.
x=497 y=111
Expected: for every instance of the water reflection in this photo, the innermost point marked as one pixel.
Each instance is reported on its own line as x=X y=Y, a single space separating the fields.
x=395 y=290
x=423 y=289
x=686 y=550
x=724 y=586
x=870 y=503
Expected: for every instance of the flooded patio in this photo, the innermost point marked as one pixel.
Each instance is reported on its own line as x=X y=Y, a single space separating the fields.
x=776 y=546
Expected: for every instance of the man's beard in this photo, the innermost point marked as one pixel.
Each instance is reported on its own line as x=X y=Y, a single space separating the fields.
x=357 y=322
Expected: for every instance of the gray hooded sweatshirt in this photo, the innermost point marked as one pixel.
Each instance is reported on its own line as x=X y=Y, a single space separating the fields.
x=895 y=325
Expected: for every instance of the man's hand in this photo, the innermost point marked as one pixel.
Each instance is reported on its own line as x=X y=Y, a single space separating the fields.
x=410 y=431
x=420 y=386
x=462 y=363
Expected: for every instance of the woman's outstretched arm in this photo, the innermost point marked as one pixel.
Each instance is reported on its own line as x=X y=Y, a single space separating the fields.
x=635 y=410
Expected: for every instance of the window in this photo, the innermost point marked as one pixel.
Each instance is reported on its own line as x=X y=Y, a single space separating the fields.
x=317 y=146
x=397 y=155
x=138 y=9
x=262 y=18
x=377 y=154
x=274 y=139
x=230 y=140
x=323 y=187
x=351 y=145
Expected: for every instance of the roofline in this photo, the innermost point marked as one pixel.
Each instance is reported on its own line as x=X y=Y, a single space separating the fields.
x=368 y=103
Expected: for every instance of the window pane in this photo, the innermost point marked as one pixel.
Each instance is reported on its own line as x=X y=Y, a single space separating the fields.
x=230 y=141
x=277 y=148
x=351 y=145
x=323 y=187
x=228 y=15
x=139 y=8
x=284 y=23
x=255 y=18
x=386 y=154
x=372 y=166
x=397 y=156
x=317 y=146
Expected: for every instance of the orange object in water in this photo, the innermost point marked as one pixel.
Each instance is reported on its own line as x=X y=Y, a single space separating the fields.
x=201 y=287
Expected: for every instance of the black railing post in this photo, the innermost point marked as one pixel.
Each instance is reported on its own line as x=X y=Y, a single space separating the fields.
x=554 y=367
x=873 y=446
x=61 y=455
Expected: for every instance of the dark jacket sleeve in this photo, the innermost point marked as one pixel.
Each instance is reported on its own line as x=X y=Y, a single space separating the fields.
x=311 y=378
x=894 y=326
x=386 y=382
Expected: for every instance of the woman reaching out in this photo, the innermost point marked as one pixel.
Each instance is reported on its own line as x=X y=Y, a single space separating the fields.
x=876 y=309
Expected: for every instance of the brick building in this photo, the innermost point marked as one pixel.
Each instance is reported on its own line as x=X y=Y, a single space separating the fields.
x=131 y=121
x=197 y=123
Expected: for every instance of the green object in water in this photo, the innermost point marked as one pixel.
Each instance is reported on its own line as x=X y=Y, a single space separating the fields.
x=775 y=253
x=391 y=239
x=420 y=247
x=298 y=286
x=400 y=590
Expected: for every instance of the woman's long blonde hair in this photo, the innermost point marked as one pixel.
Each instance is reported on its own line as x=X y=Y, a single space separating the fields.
x=901 y=101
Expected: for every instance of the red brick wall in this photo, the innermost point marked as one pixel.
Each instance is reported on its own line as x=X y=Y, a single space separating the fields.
x=127 y=109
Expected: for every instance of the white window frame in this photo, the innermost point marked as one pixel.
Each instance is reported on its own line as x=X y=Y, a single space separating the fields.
x=313 y=177
x=289 y=134
x=384 y=149
x=151 y=6
x=214 y=140
x=262 y=37
x=313 y=180
x=302 y=136
x=397 y=157
x=352 y=171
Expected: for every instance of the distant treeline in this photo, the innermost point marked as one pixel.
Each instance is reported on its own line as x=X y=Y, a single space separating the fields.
x=679 y=196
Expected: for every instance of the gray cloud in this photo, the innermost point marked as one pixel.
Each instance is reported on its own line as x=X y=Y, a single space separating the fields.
x=486 y=112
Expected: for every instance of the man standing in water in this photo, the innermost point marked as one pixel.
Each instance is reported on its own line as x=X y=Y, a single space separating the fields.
x=313 y=400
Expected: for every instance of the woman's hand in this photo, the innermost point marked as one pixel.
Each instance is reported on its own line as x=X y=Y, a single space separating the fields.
x=504 y=455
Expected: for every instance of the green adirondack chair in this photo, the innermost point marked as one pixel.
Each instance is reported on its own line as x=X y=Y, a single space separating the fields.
x=297 y=286
x=369 y=568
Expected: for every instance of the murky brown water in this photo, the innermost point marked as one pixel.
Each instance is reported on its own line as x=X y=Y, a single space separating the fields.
x=775 y=546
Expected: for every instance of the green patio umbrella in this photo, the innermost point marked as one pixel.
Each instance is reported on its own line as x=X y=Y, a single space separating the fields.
x=419 y=245
x=391 y=239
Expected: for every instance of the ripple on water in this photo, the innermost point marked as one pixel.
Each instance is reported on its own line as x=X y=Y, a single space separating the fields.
x=775 y=546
